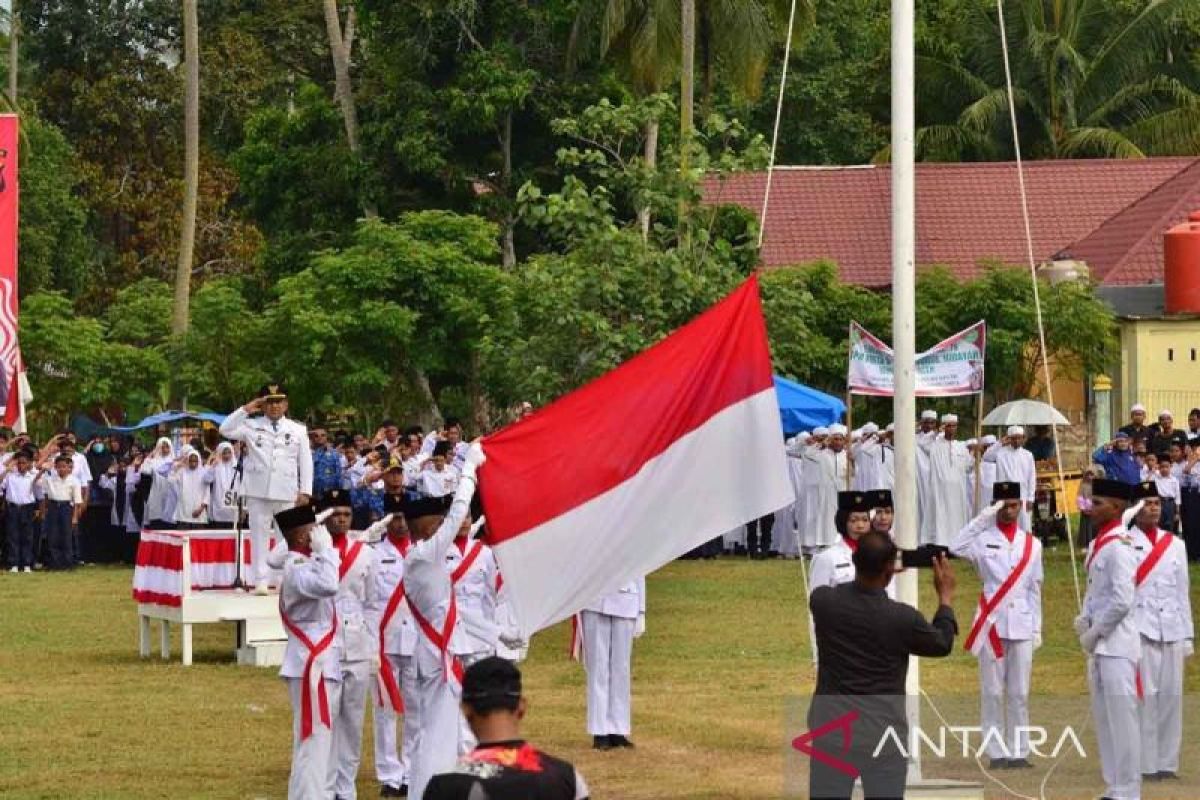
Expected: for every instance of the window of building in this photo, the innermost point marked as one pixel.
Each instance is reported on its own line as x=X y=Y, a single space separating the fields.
x=1170 y=354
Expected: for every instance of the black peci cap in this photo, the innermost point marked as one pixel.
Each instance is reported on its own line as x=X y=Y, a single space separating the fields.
x=1143 y=490
x=334 y=498
x=1105 y=487
x=1006 y=490
x=291 y=518
x=853 y=501
x=426 y=507
x=880 y=498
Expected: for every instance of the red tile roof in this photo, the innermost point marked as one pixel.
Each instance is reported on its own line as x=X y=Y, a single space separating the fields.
x=1127 y=249
x=966 y=213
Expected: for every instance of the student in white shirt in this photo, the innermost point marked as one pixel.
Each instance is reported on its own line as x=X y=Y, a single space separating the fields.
x=1169 y=495
x=188 y=476
x=439 y=479
x=19 y=490
x=62 y=506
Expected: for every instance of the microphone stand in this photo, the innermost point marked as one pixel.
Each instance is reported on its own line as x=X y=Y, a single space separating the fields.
x=238 y=583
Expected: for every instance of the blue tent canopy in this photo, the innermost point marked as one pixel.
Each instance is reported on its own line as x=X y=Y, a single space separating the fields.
x=802 y=408
x=165 y=417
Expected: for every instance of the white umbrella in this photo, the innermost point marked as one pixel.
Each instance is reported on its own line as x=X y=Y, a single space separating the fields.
x=1025 y=412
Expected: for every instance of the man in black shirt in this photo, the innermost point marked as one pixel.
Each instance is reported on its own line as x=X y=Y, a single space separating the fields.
x=503 y=766
x=864 y=641
x=1163 y=434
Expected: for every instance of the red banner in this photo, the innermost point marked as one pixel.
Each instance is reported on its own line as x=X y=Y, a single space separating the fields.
x=9 y=195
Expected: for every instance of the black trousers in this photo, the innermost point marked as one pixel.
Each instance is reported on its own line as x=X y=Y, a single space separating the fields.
x=58 y=530
x=21 y=535
x=756 y=543
x=1190 y=514
x=882 y=778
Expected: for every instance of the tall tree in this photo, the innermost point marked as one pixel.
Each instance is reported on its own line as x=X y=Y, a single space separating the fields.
x=191 y=172
x=341 y=44
x=14 y=23
x=1088 y=81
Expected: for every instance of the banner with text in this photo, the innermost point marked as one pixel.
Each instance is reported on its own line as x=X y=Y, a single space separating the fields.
x=950 y=368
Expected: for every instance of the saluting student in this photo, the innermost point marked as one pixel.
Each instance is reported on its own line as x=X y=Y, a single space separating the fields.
x=1108 y=633
x=835 y=564
x=1163 y=613
x=1007 y=628
x=311 y=659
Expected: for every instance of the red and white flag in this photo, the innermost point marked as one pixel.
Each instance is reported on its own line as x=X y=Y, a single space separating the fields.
x=14 y=387
x=675 y=447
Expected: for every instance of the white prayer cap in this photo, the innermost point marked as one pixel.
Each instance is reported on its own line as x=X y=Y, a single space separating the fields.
x=856 y=433
x=929 y=413
x=821 y=431
x=1016 y=430
x=803 y=437
x=891 y=427
x=837 y=430
x=972 y=442
x=1165 y=413
x=949 y=418
x=870 y=428
x=788 y=442
x=988 y=440
x=1136 y=408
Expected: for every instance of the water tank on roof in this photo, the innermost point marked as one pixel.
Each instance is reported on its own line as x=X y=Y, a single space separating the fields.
x=1062 y=270
x=1181 y=266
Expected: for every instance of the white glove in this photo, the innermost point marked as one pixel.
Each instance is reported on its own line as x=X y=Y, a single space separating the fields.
x=639 y=627
x=278 y=555
x=324 y=515
x=476 y=525
x=1082 y=624
x=474 y=458
x=1037 y=641
x=1131 y=513
x=1089 y=640
x=994 y=508
x=511 y=638
x=1188 y=648
x=375 y=532
x=319 y=539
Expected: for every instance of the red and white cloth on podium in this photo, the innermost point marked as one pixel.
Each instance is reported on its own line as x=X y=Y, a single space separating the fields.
x=158 y=573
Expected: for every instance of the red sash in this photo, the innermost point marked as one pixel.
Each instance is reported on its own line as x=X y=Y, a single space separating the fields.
x=441 y=640
x=314 y=651
x=1156 y=553
x=468 y=559
x=348 y=554
x=1103 y=539
x=387 y=678
x=987 y=606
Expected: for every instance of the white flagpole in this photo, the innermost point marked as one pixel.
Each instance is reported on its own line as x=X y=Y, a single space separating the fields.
x=904 y=314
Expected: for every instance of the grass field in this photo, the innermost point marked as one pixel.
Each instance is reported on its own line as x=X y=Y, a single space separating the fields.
x=717 y=680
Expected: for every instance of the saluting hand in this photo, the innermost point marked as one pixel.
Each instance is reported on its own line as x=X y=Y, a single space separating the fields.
x=944 y=582
x=254 y=406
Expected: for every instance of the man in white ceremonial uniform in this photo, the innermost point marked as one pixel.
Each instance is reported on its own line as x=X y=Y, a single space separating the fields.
x=1015 y=464
x=608 y=626
x=1107 y=629
x=357 y=639
x=398 y=634
x=946 y=501
x=926 y=425
x=1163 y=613
x=835 y=564
x=825 y=466
x=311 y=660
x=433 y=525
x=1007 y=627
x=276 y=469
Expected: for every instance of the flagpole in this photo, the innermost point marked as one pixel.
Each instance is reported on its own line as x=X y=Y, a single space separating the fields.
x=904 y=403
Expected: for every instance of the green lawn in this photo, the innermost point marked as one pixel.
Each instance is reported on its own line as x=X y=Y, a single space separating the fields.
x=717 y=681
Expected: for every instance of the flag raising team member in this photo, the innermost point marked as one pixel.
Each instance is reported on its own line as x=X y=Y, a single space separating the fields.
x=1163 y=614
x=1108 y=633
x=1008 y=621
x=311 y=661
x=430 y=595
x=835 y=564
x=609 y=626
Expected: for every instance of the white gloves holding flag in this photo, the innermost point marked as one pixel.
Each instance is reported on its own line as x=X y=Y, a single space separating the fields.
x=1082 y=624
x=1089 y=639
x=473 y=459
x=511 y=638
x=639 y=627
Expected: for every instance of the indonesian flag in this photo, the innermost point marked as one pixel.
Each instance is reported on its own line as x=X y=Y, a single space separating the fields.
x=675 y=447
x=14 y=386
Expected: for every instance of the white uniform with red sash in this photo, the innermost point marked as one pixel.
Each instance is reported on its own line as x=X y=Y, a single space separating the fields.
x=607 y=627
x=1163 y=611
x=311 y=667
x=473 y=571
x=397 y=684
x=1112 y=672
x=438 y=672
x=1007 y=623
x=360 y=653
x=835 y=565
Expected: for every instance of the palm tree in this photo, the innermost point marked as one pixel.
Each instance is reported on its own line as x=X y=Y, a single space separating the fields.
x=1085 y=83
x=644 y=38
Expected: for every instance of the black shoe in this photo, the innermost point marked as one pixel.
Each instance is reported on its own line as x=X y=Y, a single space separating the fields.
x=1019 y=763
x=601 y=743
x=1150 y=777
x=404 y=790
x=617 y=740
x=387 y=790
x=1166 y=775
x=997 y=763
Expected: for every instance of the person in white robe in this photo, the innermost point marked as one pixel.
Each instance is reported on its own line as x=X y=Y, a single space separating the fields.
x=156 y=467
x=874 y=460
x=789 y=521
x=122 y=515
x=946 y=501
x=825 y=466
x=926 y=425
x=222 y=471
x=983 y=478
x=1015 y=464
x=191 y=490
